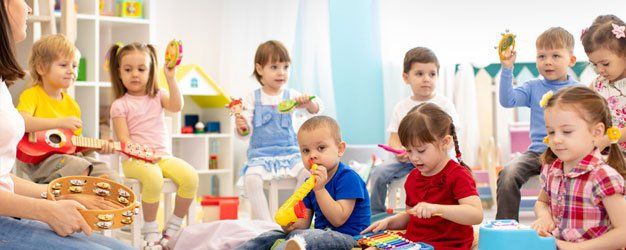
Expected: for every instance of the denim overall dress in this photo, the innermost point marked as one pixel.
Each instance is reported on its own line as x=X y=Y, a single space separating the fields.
x=273 y=144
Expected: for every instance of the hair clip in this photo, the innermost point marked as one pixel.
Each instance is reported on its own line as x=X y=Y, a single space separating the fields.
x=619 y=31
x=614 y=134
x=582 y=33
x=545 y=98
x=546 y=140
x=108 y=54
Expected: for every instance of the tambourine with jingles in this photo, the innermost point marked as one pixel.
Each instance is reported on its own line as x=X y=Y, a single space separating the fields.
x=105 y=188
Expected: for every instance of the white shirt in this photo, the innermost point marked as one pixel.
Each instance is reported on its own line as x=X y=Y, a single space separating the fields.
x=11 y=131
x=403 y=107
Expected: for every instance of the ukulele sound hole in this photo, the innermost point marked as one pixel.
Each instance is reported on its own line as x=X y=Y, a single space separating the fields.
x=55 y=138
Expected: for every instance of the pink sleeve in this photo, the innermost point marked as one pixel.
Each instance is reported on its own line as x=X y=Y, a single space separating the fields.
x=118 y=109
x=607 y=182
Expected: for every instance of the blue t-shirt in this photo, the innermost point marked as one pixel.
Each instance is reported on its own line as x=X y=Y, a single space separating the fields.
x=345 y=184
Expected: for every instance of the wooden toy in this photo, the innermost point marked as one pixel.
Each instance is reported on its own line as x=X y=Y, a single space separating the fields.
x=105 y=188
x=173 y=53
x=506 y=42
x=287 y=106
x=37 y=146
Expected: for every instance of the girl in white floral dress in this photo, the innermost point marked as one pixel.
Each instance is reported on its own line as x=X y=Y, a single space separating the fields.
x=605 y=45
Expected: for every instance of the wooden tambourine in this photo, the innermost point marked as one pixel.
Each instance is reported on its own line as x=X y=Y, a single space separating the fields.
x=173 y=53
x=108 y=189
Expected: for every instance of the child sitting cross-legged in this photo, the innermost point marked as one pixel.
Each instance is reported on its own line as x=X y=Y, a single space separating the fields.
x=339 y=199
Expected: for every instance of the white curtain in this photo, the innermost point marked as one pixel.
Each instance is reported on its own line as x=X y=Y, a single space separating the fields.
x=466 y=105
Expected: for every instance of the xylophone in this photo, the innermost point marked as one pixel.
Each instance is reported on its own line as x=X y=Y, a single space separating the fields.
x=388 y=240
x=510 y=235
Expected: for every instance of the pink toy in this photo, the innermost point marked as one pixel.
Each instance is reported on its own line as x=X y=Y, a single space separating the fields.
x=392 y=150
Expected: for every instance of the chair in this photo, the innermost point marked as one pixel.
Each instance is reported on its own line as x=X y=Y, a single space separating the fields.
x=169 y=190
x=396 y=194
x=273 y=186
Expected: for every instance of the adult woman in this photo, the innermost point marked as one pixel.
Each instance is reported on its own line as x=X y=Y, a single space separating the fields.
x=27 y=221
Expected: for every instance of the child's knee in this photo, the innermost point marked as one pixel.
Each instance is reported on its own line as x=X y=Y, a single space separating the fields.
x=151 y=189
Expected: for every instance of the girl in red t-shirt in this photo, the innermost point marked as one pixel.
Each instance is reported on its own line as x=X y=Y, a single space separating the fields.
x=442 y=201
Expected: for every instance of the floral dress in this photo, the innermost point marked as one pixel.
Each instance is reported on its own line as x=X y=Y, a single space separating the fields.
x=615 y=95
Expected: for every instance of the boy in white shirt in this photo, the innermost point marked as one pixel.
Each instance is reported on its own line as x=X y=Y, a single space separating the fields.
x=421 y=70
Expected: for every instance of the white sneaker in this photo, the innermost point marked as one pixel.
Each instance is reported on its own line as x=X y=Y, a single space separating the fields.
x=295 y=243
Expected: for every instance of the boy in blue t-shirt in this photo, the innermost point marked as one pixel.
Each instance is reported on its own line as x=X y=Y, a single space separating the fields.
x=339 y=200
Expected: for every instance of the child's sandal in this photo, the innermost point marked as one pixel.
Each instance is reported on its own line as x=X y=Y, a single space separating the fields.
x=164 y=242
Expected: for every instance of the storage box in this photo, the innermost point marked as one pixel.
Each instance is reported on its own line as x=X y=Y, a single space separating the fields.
x=219 y=208
x=130 y=8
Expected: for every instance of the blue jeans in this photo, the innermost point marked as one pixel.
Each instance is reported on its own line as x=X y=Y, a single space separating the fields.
x=510 y=180
x=314 y=238
x=30 y=234
x=381 y=177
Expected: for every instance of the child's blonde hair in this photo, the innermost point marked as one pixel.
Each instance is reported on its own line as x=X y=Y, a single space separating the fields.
x=47 y=50
x=116 y=52
x=428 y=123
x=322 y=121
x=555 y=38
x=419 y=55
x=270 y=50
x=593 y=109
x=600 y=36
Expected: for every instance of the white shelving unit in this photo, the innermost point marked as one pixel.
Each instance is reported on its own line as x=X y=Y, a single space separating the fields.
x=204 y=98
x=95 y=34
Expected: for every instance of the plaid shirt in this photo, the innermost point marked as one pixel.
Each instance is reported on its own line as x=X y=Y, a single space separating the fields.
x=575 y=198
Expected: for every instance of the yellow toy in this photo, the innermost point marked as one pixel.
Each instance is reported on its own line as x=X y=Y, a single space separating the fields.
x=293 y=208
x=506 y=42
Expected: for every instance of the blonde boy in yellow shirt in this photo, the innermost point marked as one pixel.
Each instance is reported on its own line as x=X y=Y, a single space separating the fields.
x=46 y=105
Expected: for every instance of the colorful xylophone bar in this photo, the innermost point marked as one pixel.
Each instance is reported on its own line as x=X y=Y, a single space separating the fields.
x=388 y=240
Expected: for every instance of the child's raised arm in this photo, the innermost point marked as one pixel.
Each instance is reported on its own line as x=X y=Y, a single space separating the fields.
x=336 y=212
x=614 y=239
x=172 y=101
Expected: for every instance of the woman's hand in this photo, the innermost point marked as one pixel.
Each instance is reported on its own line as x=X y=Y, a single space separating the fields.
x=63 y=217
x=91 y=202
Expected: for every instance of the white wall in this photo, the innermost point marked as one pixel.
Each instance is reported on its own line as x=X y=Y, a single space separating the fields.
x=467 y=31
x=222 y=36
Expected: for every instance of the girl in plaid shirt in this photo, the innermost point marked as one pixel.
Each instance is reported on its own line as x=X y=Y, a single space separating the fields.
x=582 y=201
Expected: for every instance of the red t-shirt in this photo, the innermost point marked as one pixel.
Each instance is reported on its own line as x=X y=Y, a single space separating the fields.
x=447 y=187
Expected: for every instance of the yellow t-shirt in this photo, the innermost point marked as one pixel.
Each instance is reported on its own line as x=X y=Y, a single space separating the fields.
x=36 y=102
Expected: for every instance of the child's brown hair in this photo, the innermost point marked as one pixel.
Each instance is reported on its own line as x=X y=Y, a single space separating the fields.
x=600 y=36
x=555 y=38
x=271 y=50
x=47 y=50
x=322 y=121
x=593 y=109
x=419 y=55
x=428 y=123
x=116 y=52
